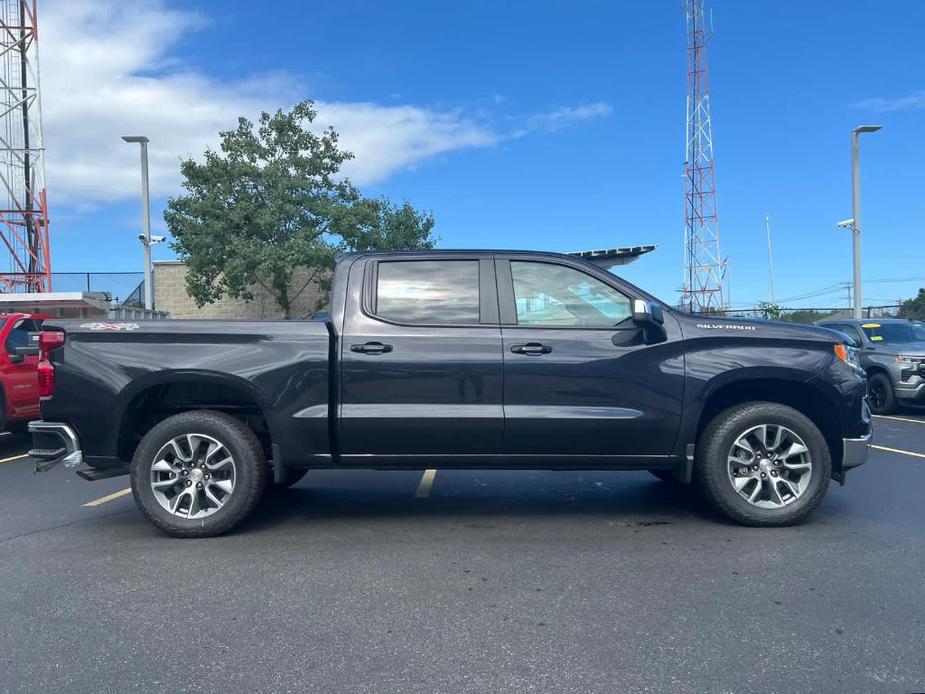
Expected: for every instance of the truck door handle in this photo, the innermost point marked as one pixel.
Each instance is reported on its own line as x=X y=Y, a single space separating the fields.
x=533 y=349
x=371 y=348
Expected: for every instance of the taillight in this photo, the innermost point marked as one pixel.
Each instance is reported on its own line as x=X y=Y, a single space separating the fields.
x=48 y=341
x=46 y=379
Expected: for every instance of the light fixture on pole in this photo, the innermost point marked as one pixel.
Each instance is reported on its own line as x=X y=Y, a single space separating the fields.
x=145 y=236
x=855 y=225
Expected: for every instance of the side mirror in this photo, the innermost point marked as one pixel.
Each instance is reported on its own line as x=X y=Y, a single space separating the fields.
x=649 y=316
x=647 y=313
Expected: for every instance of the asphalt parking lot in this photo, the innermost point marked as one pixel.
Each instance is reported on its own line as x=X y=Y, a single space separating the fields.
x=467 y=582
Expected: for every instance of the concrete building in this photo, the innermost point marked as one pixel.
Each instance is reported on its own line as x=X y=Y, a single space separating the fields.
x=170 y=296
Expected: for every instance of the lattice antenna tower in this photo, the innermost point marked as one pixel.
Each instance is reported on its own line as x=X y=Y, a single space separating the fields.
x=703 y=287
x=23 y=201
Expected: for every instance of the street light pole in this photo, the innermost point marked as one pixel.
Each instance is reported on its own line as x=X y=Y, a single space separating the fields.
x=145 y=216
x=767 y=224
x=856 y=208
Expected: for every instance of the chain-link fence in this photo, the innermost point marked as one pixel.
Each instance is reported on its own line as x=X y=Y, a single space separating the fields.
x=809 y=315
x=117 y=286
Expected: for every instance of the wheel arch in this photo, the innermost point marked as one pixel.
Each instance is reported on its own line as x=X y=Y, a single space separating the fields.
x=800 y=395
x=147 y=401
x=878 y=369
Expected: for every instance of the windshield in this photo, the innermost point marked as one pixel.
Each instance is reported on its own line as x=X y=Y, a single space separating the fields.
x=894 y=333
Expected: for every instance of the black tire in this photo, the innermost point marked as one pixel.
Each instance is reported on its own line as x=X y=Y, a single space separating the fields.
x=880 y=395
x=711 y=467
x=251 y=472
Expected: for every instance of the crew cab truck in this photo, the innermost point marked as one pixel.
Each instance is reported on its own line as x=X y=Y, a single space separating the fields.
x=19 y=356
x=454 y=359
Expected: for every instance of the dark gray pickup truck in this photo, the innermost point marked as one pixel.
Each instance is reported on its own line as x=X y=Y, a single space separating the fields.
x=454 y=359
x=892 y=352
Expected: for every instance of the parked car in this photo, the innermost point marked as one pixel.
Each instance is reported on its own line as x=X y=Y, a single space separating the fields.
x=19 y=356
x=892 y=352
x=454 y=359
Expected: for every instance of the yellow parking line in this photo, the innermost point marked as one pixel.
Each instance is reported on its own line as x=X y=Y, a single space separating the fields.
x=110 y=497
x=5 y=433
x=900 y=419
x=14 y=457
x=898 y=450
x=427 y=481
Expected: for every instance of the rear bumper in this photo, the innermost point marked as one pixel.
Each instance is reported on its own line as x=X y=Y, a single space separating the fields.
x=53 y=443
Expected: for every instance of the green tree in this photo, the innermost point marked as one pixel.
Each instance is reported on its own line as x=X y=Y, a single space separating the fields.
x=804 y=315
x=770 y=311
x=914 y=308
x=271 y=201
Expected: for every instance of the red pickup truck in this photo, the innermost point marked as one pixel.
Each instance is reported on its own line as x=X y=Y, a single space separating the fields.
x=19 y=358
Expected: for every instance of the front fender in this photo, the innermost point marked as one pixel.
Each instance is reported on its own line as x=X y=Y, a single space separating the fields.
x=712 y=365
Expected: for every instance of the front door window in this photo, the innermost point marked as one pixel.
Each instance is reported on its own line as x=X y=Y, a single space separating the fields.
x=552 y=295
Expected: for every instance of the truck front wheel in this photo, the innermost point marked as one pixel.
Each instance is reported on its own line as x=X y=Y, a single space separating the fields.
x=198 y=474
x=880 y=395
x=763 y=464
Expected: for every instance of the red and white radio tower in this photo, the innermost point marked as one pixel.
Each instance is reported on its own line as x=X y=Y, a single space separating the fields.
x=704 y=268
x=23 y=204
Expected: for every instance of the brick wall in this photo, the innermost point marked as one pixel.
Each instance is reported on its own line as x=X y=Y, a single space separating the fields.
x=170 y=296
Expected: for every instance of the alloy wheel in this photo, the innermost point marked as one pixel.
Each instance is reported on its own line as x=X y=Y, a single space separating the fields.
x=876 y=394
x=769 y=466
x=193 y=476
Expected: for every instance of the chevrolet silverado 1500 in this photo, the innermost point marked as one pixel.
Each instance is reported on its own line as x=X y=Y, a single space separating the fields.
x=454 y=359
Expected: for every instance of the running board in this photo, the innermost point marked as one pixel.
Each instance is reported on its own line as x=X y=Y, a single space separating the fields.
x=93 y=473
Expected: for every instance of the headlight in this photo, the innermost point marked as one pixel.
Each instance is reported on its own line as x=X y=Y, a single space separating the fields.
x=907 y=362
x=848 y=354
x=854 y=356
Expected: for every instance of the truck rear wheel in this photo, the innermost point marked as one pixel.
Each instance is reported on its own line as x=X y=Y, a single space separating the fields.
x=198 y=474
x=763 y=464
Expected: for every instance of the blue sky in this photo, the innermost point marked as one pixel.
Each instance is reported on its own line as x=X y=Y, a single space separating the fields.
x=549 y=125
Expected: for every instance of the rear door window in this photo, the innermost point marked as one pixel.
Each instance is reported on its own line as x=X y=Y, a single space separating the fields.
x=19 y=335
x=428 y=292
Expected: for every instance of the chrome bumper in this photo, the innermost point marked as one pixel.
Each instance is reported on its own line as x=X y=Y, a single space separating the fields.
x=53 y=443
x=856 y=451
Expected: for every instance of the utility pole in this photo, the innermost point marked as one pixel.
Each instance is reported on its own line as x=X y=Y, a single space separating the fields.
x=767 y=225
x=856 y=209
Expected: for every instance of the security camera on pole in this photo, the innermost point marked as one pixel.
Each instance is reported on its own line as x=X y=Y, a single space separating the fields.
x=145 y=237
x=855 y=222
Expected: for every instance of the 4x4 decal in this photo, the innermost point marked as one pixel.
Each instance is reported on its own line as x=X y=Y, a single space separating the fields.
x=110 y=326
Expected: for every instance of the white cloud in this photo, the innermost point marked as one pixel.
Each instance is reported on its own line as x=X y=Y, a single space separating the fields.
x=912 y=102
x=385 y=139
x=108 y=70
x=562 y=117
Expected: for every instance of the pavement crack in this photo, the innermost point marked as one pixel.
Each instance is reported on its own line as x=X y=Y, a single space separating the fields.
x=62 y=525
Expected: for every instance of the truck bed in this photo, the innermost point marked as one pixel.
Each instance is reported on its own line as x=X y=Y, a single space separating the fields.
x=277 y=371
